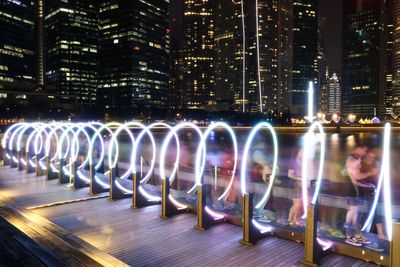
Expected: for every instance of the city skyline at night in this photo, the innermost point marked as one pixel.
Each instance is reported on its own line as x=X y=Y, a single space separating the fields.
x=187 y=55
x=200 y=133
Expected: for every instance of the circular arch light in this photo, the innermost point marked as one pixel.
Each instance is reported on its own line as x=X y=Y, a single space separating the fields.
x=173 y=132
x=243 y=169
x=384 y=181
x=308 y=142
x=202 y=151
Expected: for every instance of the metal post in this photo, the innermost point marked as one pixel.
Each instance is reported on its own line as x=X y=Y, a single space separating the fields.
x=29 y=168
x=112 y=182
x=6 y=161
x=138 y=200
x=62 y=178
x=250 y=236
x=201 y=205
x=166 y=206
x=92 y=181
x=115 y=192
x=312 y=252
x=49 y=172
x=395 y=245
x=135 y=189
x=204 y=220
x=78 y=182
x=95 y=188
x=12 y=162
x=19 y=157
x=37 y=169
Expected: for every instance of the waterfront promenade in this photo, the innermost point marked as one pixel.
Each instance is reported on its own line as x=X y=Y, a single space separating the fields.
x=107 y=232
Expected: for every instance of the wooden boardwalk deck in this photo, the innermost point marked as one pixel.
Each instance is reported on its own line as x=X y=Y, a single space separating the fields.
x=141 y=238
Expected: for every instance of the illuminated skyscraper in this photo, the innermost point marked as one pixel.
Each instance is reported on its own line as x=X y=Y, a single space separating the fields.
x=396 y=58
x=39 y=49
x=198 y=56
x=276 y=52
x=323 y=81
x=134 y=54
x=305 y=51
x=228 y=54
x=176 y=60
x=267 y=68
x=16 y=47
x=71 y=33
x=365 y=62
x=334 y=95
x=389 y=32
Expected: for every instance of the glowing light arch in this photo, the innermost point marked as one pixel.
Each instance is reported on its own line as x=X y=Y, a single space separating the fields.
x=37 y=148
x=73 y=147
x=243 y=169
x=82 y=129
x=167 y=140
x=53 y=132
x=149 y=173
x=163 y=154
x=30 y=126
x=16 y=135
x=47 y=129
x=103 y=127
x=308 y=141
x=384 y=181
x=112 y=164
x=7 y=133
x=202 y=151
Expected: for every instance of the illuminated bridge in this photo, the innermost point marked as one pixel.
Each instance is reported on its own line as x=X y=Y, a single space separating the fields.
x=110 y=194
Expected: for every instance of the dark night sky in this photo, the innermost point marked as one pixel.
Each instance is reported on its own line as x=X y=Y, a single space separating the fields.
x=330 y=17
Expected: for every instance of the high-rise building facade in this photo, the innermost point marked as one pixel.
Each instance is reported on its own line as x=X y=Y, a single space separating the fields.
x=176 y=60
x=39 y=49
x=71 y=33
x=16 y=47
x=389 y=32
x=305 y=51
x=365 y=62
x=271 y=65
x=134 y=47
x=237 y=55
x=334 y=95
x=198 y=55
x=228 y=54
x=323 y=90
x=396 y=58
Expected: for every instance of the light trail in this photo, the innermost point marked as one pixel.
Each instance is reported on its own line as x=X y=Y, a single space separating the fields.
x=243 y=168
x=173 y=133
x=384 y=181
x=309 y=141
x=202 y=151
